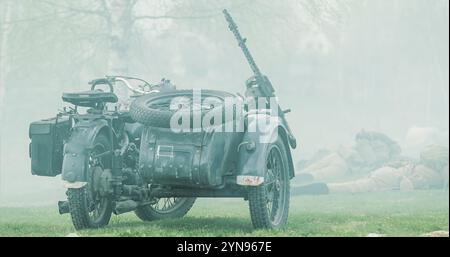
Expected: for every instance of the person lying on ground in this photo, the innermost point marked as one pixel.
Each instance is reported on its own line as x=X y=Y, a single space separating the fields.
x=432 y=171
x=371 y=151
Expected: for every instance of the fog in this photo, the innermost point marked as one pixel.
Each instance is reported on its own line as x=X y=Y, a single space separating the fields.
x=340 y=65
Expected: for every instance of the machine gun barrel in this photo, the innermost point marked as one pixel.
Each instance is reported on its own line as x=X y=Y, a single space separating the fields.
x=234 y=28
x=258 y=82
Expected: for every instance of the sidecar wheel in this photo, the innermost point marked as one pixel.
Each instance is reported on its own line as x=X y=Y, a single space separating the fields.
x=88 y=208
x=269 y=202
x=165 y=208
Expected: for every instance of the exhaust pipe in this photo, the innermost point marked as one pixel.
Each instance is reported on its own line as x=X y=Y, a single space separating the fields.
x=125 y=206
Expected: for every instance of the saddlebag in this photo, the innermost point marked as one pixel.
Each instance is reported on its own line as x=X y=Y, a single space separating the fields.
x=187 y=159
x=46 y=147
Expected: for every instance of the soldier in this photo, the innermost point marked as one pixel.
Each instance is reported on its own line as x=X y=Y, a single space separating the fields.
x=372 y=150
x=432 y=171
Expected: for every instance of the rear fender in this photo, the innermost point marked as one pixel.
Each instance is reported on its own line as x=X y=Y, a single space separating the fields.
x=253 y=150
x=77 y=148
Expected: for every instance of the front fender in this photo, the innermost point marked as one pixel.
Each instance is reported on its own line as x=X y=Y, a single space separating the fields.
x=253 y=150
x=78 y=146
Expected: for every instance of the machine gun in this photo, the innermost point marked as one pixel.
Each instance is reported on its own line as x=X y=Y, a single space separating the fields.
x=258 y=85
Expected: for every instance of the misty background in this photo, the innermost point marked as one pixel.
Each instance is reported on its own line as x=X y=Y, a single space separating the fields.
x=340 y=65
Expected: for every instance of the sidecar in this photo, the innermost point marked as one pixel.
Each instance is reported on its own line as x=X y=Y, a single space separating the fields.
x=232 y=151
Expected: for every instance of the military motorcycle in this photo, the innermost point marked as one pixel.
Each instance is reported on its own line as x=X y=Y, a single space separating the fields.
x=118 y=157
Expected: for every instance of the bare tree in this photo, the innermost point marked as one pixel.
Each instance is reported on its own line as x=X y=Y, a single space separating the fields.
x=119 y=18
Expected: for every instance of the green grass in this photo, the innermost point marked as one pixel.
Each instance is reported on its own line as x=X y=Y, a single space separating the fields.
x=389 y=213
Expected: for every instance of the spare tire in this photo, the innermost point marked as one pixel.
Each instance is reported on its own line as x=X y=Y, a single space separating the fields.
x=155 y=109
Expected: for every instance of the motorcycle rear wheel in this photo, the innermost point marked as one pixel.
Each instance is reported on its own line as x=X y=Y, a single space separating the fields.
x=89 y=209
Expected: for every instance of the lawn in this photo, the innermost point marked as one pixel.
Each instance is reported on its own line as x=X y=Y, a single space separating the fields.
x=388 y=213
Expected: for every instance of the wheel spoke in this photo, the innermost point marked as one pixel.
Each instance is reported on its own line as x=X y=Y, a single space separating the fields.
x=166 y=205
x=96 y=203
x=274 y=184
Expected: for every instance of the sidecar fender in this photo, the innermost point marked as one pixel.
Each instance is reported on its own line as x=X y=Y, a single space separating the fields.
x=252 y=151
x=77 y=148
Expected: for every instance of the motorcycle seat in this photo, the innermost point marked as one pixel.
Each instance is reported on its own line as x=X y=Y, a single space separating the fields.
x=90 y=98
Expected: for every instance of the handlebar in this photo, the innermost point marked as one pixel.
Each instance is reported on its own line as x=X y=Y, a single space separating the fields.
x=135 y=90
x=124 y=81
x=111 y=80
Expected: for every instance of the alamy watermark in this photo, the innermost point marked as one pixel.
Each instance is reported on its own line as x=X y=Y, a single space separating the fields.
x=198 y=113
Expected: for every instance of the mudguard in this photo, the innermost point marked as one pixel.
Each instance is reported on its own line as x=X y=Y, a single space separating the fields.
x=253 y=149
x=77 y=148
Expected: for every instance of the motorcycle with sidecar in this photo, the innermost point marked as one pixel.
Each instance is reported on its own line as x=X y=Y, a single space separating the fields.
x=118 y=157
